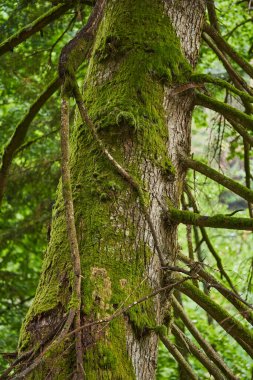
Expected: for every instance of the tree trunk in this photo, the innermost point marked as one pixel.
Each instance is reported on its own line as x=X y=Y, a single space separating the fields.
x=143 y=49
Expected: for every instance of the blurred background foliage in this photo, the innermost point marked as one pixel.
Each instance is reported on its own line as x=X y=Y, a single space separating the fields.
x=26 y=210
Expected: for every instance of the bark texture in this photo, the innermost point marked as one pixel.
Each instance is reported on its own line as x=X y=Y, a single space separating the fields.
x=143 y=49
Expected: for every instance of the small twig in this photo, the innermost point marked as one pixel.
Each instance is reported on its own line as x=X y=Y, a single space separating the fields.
x=59 y=39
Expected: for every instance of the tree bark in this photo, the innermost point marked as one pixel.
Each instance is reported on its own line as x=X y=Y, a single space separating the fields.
x=143 y=49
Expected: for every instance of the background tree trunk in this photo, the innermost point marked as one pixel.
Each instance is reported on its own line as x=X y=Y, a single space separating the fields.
x=142 y=51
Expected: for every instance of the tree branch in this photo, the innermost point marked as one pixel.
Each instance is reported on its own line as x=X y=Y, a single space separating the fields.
x=223 y=180
x=205 y=78
x=209 y=350
x=178 y=356
x=238 y=81
x=241 y=334
x=226 y=48
x=209 y=244
x=35 y=26
x=217 y=221
x=21 y=131
x=193 y=349
x=224 y=109
x=235 y=299
x=212 y=14
x=71 y=230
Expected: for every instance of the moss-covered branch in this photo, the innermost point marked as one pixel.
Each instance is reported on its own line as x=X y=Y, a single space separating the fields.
x=178 y=357
x=217 y=221
x=226 y=48
x=193 y=349
x=238 y=81
x=205 y=78
x=225 y=110
x=209 y=350
x=242 y=131
x=233 y=327
x=21 y=131
x=35 y=26
x=209 y=243
x=223 y=180
x=241 y=305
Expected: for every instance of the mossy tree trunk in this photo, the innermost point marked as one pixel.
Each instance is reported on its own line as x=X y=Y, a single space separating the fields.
x=142 y=49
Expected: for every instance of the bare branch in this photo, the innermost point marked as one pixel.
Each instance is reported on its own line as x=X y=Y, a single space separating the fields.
x=193 y=349
x=178 y=356
x=209 y=350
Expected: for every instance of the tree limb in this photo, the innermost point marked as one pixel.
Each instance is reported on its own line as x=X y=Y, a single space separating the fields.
x=212 y=14
x=21 y=131
x=240 y=333
x=226 y=48
x=206 y=78
x=10 y=43
x=178 y=356
x=71 y=230
x=209 y=350
x=238 y=81
x=224 y=109
x=216 y=176
x=234 y=298
x=193 y=349
x=217 y=221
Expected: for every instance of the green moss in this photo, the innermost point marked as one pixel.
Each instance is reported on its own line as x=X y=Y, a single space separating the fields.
x=142 y=59
x=161 y=330
x=54 y=287
x=141 y=320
